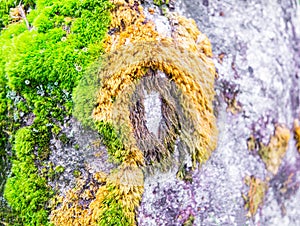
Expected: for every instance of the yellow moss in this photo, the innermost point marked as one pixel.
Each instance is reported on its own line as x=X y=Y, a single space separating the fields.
x=86 y=206
x=183 y=67
x=255 y=197
x=273 y=153
x=187 y=35
x=100 y=177
x=134 y=48
x=130 y=25
x=128 y=184
x=70 y=212
x=297 y=133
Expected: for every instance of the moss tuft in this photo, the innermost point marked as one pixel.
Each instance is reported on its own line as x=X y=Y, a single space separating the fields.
x=44 y=53
x=26 y=192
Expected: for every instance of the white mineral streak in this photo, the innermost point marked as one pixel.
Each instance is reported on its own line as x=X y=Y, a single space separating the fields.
x=259 y=40
x=152 y=105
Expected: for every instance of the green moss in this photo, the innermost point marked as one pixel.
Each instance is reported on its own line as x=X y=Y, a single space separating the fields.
x=112 y=141
x=113 y=214
x=160 y=2
x=77 y=147
x=59 y=169
x=64 y=139
x=76 y=173
x=189 y=221
x=26 y=192
x=85 y=96
x=39 y=68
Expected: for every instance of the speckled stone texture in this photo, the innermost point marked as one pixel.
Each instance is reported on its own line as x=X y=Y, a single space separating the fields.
x=257 y=55
x=256 y=52
x=81 y=157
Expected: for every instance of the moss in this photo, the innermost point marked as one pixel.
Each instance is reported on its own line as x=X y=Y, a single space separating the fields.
x=108 y=93
x=112 y=141
x=127 y=64
x=185 y=174
x=40 y=64
x=76 y=147
x=63 y=138
x=125 y=187
x=180 y=71
x=26 y=192
x=85 y=95
x=104 y=208
x=59 y=169
x=112 y=212
x=76 y=173
x=160 y=2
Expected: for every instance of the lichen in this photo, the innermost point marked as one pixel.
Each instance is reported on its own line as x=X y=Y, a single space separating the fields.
x=297 y=134
x=255 y=197
x=273 y=153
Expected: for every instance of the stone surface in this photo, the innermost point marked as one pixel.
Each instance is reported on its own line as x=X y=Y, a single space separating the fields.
x=81 y=157
x=256 y=46
x=256 y=52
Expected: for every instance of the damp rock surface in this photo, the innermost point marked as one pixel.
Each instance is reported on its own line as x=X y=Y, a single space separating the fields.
x=256 y=53
x=257 y=56
x=80 y=156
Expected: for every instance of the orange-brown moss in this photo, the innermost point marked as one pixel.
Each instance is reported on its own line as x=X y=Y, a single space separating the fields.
x=89 y=203
x=183 y=67
x=127 y=187
x=187 y=35
x=80 y=206
x=133 y=48
x=129 y=25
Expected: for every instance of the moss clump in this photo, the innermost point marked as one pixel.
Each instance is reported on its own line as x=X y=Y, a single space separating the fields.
x=189 y=73
x=124 y=192
x=113 y=203
x=72 y=209
x=135 y=47
x=160 y=2
x=43 y=54
x=189 y=221
x=110 y=92
x=26 y=192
